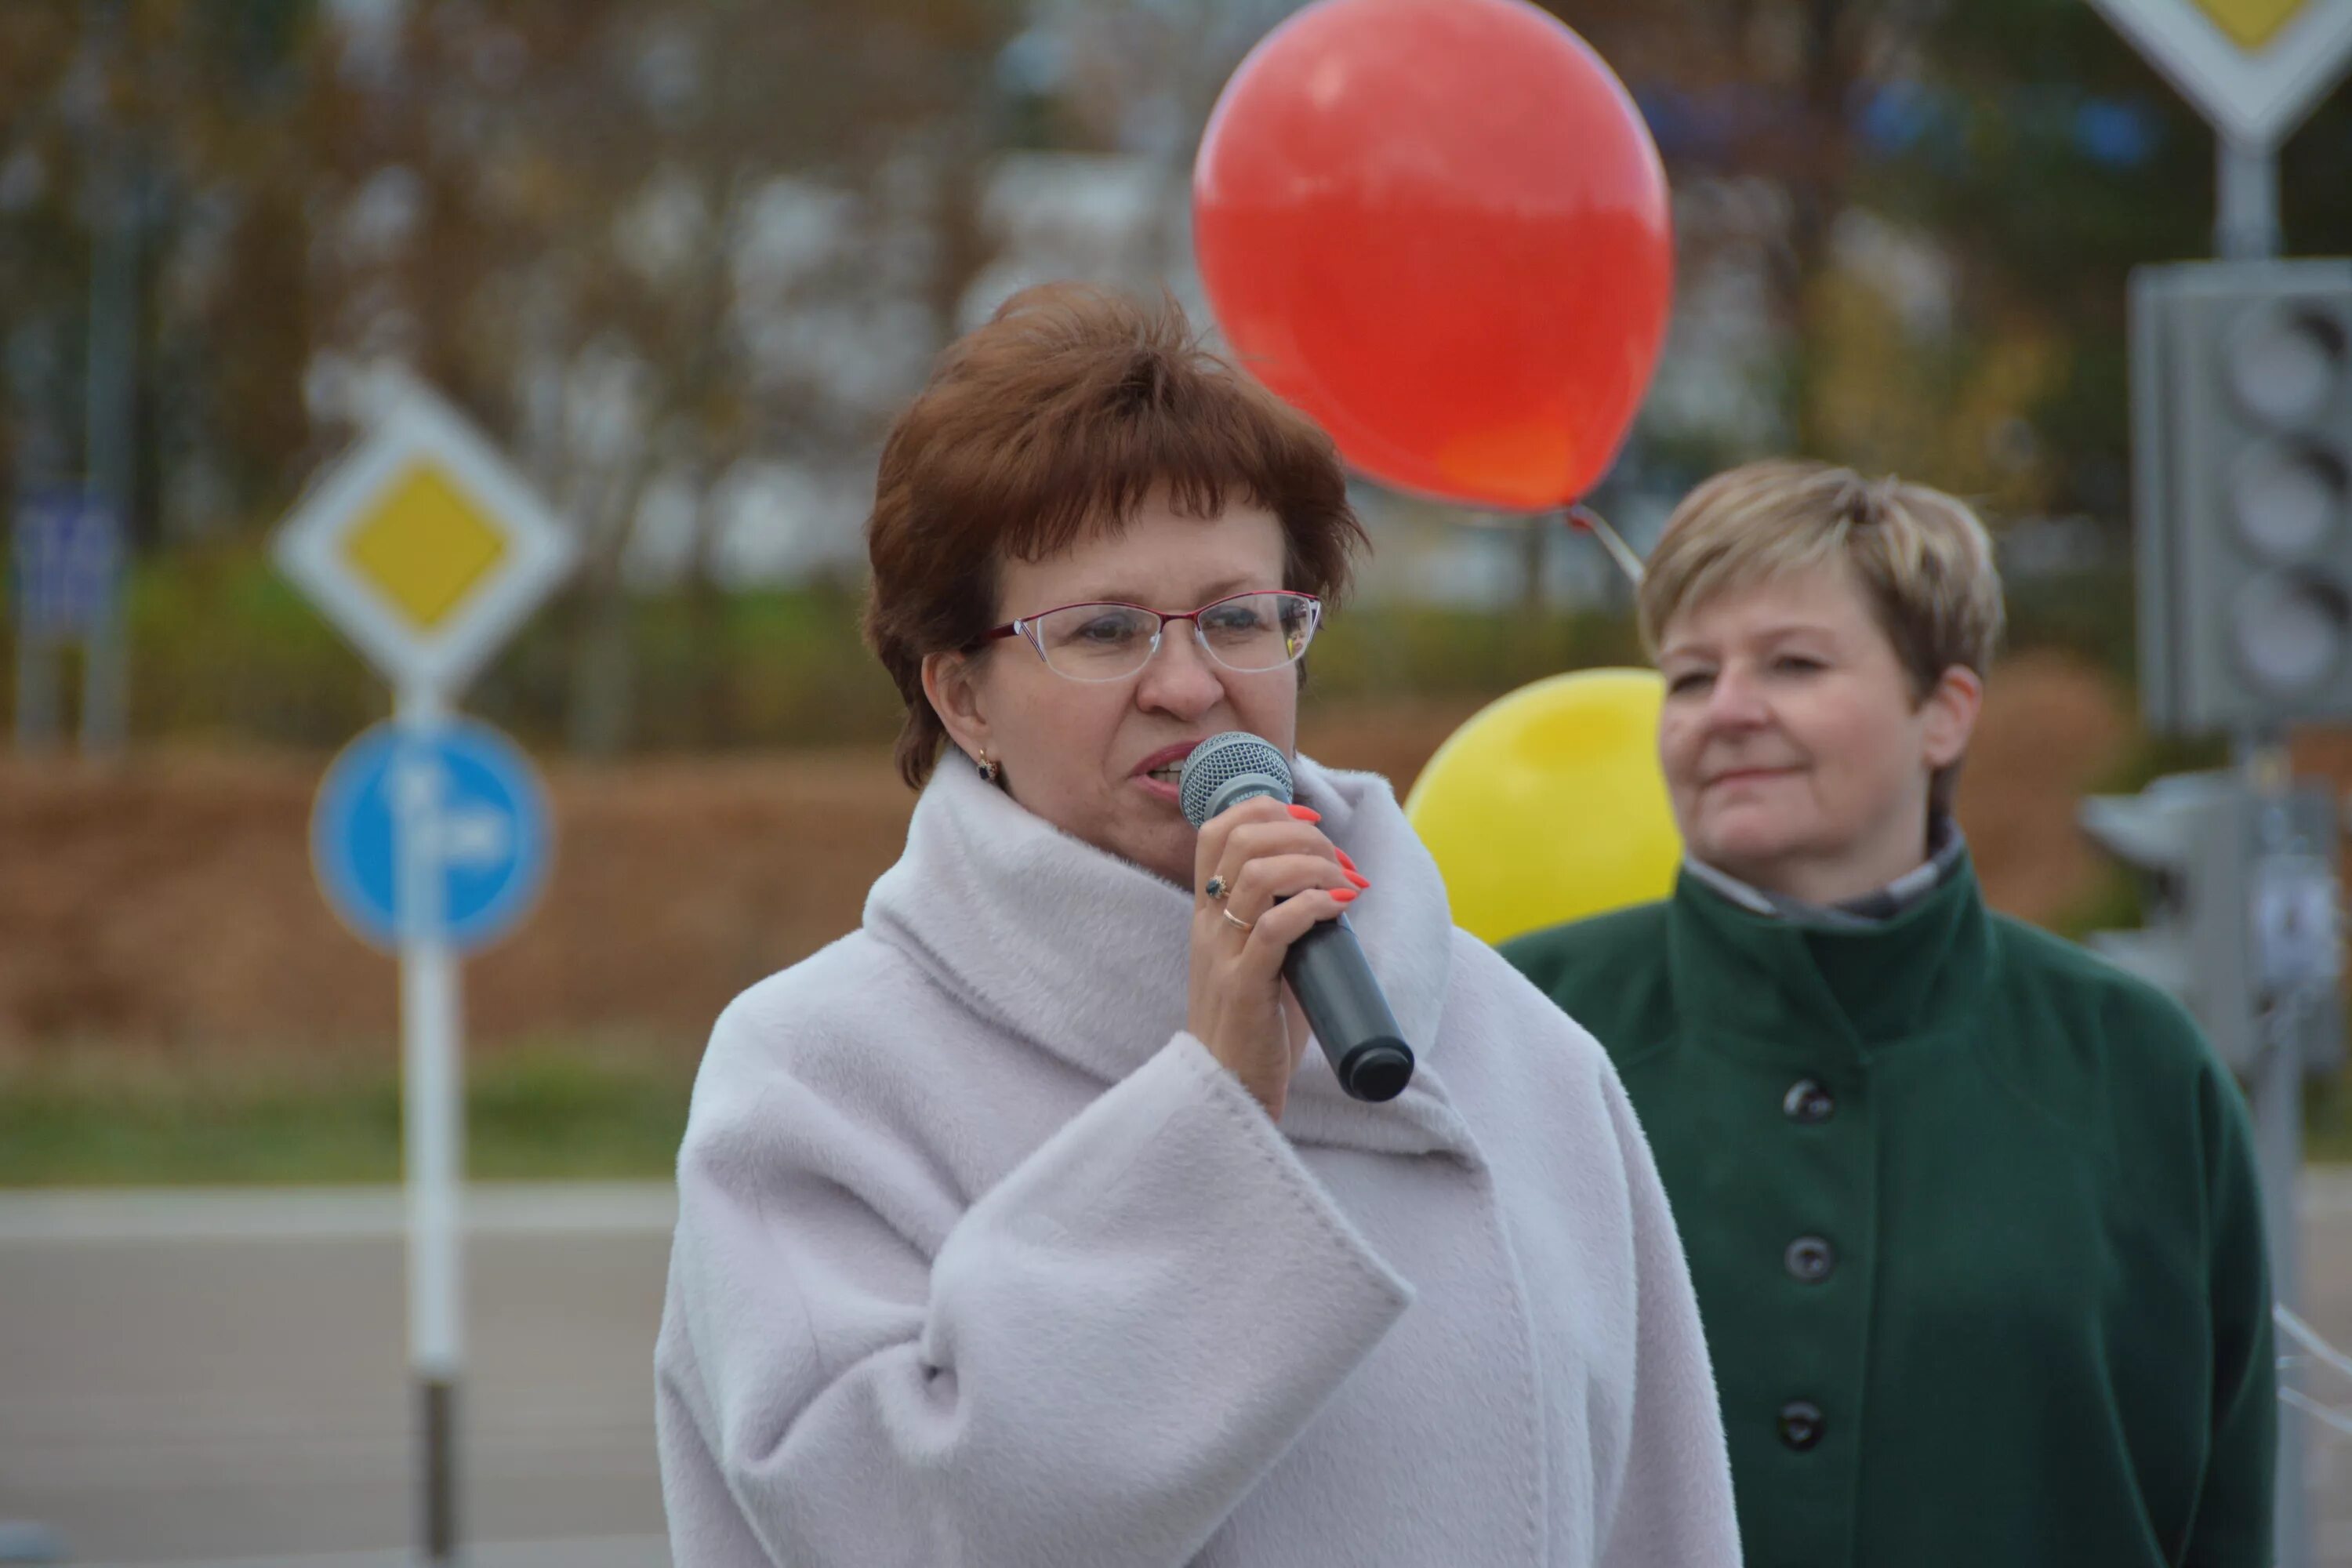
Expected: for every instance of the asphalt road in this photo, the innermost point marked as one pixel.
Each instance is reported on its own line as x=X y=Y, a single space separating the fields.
x=221 y=1377
x=216 y=1378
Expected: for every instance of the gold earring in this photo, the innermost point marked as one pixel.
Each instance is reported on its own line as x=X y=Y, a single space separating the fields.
x=989 y=770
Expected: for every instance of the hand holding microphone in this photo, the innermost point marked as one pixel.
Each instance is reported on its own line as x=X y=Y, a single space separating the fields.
x=1270 y=893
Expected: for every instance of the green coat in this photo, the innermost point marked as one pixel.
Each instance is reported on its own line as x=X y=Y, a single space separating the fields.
x=1974 y=1223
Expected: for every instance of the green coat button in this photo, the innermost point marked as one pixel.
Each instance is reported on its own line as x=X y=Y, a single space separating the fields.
x=1810 y=1259
x=1807 y=1104
x=1801 y=1424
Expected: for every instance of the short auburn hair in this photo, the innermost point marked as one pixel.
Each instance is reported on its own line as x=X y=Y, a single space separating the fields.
x=1923 y=558
x=1051 y=425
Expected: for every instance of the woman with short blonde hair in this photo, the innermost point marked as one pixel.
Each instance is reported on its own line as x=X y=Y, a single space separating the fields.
x=1921 y=558
x=1972 y=1216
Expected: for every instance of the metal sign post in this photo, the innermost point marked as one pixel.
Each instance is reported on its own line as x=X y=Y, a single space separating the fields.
x=433 y=1109
x=430 y=840
x=2254 y=69
x=428 y=835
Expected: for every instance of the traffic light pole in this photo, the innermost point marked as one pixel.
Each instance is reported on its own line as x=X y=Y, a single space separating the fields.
x=2276 y=1097
x=2246 y=214
x=2246 y=228
x=2241 y=416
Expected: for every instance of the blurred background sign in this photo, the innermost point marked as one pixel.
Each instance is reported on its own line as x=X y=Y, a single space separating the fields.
x=2243 y=924
x=66 y=572
x=486 y=817
x=2252 y=68
x=2243 y=469
x=422 y=546
x=427 y=550
x=69 y=554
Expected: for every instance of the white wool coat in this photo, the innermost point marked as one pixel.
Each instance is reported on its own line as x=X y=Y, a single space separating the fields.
x=982 y=1260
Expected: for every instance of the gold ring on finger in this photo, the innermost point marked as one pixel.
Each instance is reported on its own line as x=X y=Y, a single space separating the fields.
x=1236 y=920
x=1217 y=887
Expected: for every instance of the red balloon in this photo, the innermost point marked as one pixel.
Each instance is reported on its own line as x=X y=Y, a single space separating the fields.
x=1440 y=228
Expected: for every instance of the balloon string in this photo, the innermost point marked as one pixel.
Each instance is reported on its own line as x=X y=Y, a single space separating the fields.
x=1584 y=519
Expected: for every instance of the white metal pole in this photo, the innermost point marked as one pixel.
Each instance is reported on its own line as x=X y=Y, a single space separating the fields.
x=432 y=1121
x=2246 y=228
x=2275 y=1096
x=2246 y=204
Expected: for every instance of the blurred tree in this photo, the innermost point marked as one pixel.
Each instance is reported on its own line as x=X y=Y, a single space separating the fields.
x=1950 y=199
x=1765 y=92
x=2047 y=160
x=650 y=241
x=683 y=256
x=43 y=257
x=651 y=245
x=194 y=99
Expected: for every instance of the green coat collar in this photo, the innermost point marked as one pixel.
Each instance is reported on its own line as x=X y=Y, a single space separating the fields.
x=1764 y=985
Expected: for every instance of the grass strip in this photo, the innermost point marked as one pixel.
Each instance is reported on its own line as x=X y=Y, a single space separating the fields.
x=540 y=1112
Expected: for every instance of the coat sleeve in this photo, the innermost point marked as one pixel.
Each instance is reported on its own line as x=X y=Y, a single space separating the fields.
x=1108 y=1349
x=1672 y=1508
x=2234 y=1509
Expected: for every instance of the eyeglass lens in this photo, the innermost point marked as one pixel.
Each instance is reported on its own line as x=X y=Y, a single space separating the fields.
x=1246 y=633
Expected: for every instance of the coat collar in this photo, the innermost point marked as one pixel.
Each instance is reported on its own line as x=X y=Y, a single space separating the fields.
x=1087 y=956
x=1783 y=987
x=1947 y=848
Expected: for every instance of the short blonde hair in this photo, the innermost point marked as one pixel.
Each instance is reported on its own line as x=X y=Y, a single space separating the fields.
x=1922 y=557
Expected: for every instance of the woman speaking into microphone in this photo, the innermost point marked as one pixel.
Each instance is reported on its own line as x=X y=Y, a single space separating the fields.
x=1020 y=1229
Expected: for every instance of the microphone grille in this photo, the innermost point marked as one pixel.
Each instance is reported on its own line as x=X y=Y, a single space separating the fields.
x=1220 y=760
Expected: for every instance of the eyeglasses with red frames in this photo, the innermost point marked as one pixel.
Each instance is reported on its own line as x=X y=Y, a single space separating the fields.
x=1249 y=633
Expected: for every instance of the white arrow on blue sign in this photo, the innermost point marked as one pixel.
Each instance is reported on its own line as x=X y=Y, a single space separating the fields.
x=474 y=793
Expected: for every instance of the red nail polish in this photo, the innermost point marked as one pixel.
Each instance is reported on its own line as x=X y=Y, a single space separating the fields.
x=1305 y=814
x=1343 y=895
x=1344 y=860
x=1359 y=880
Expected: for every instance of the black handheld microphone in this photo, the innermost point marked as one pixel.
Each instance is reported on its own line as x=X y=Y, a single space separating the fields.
x=1325 y=967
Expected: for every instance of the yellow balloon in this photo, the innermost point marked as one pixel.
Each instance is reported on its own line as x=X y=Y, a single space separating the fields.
x=1548 y=805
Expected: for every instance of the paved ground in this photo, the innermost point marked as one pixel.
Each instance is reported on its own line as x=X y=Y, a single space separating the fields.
x=2327 y=1304
x=217 y=1379
x=221 y=1377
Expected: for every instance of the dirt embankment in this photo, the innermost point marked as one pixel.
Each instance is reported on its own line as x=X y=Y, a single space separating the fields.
x=171 y=902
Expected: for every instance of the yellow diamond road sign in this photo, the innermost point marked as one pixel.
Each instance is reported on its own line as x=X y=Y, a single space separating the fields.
x=2252 y=68
x=2250 y=24
x=424 y=546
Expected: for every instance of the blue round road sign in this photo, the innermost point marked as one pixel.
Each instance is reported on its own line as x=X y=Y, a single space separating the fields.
x=479 y=799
